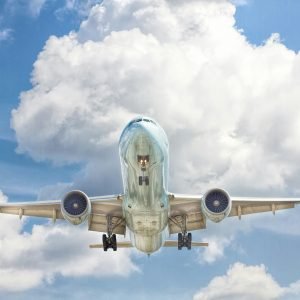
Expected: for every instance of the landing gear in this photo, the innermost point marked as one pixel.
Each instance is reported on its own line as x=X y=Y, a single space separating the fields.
x=184 y=237
x=143 y=179
x=109 y=242
x=143 y=161
x=184 y=240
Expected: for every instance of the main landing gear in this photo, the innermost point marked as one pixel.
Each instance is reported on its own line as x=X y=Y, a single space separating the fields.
x=184 y=240
x=109 y=241
x=184 y=237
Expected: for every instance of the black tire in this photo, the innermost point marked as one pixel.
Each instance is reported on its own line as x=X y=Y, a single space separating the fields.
x=180 y=241
x=114 y=242
x=189 y=241
x=147 y=180
x=104 y=242
x=140 y=180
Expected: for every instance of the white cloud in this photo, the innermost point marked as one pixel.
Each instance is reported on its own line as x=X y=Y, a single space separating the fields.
x=185 y=64
x=215 y=250
x=36 y=258
x=247 y=282
x=5 y=34
x=242 y=282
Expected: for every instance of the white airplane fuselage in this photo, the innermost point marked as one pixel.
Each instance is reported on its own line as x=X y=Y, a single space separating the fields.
x=144 y=155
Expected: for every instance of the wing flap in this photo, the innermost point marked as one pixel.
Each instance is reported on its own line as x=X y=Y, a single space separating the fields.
x=105 y=213
x=246 y=205
x=49 y=209
x=99 y=223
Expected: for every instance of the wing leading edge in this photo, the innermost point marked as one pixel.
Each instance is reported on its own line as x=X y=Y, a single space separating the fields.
x=105 y=211
x=186 y=212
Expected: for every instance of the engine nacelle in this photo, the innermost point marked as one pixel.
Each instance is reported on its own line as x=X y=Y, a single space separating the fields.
x=216 y=204
x=75 y=207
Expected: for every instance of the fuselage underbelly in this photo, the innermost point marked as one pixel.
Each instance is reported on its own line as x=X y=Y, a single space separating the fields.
x=143 y=150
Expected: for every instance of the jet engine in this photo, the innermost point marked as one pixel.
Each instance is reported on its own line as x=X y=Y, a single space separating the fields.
x=216 y=204
x=75 y=207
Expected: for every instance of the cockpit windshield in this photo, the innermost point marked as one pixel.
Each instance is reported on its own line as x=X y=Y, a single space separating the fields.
x=142 y=120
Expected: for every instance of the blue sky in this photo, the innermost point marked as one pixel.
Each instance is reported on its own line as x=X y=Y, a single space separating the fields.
x=35 y=161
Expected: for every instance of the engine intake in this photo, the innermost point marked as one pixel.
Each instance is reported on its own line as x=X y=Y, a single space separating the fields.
x=216 y=204
x=75 y=207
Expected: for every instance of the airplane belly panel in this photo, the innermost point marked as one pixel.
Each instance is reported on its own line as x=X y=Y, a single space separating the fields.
x=148 y=244
x=146 y=223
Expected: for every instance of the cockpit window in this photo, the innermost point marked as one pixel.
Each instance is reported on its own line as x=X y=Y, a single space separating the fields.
x=140 y=120
x=150 y=121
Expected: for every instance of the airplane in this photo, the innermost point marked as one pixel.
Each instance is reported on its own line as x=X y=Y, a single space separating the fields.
x=146 y=208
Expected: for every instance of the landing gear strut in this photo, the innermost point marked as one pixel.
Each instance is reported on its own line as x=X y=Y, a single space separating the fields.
x=184 y=237
x=184 y=240
x=109 y=242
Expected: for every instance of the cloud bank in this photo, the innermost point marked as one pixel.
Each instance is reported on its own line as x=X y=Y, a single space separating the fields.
x=230 y=109
x=247 y=282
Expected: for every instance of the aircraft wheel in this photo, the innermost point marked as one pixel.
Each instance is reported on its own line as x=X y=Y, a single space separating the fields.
x=104 y=242
x=189 y=241
x=140 y=180
x=180 y=241
x=114 y=242
x=147 y=180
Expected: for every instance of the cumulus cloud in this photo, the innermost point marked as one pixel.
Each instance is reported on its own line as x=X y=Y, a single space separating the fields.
x=36 y=258
x=247 y=282
x=242 y=282
x=185 y=64
x=216 y=248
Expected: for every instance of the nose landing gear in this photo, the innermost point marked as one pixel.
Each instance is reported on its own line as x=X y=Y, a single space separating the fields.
x=143 y=161
x=143 y=179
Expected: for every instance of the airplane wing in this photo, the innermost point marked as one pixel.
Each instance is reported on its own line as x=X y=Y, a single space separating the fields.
x=186 y=210
x=101 y=208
